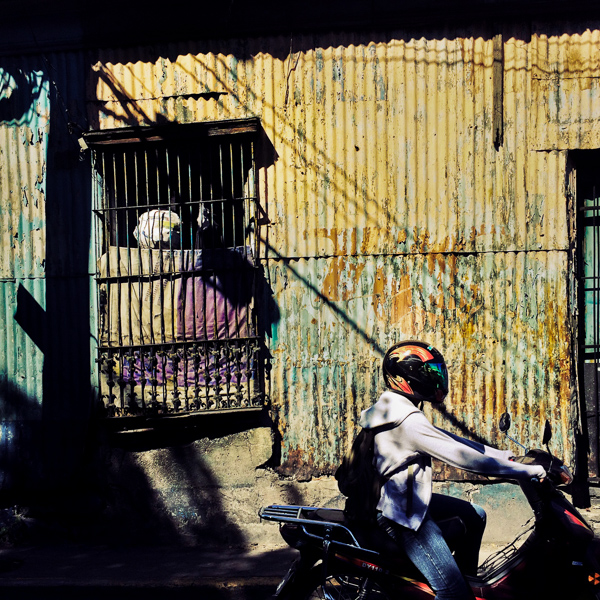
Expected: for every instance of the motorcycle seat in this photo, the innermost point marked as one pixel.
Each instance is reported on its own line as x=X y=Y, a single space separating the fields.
x=371 y=536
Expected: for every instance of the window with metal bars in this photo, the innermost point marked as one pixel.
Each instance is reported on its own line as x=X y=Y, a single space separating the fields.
x=588 y=274
x=176 y=270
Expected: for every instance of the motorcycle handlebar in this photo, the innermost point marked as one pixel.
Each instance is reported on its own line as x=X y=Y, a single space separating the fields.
x=556 y=471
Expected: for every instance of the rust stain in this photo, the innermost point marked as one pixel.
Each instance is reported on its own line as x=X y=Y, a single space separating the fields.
x=402 y=237
x=379 y=283
x=401 y=299
x=341 y=281
x=422 y=240
x=329 y=234
x=343 y=241
x=299 y=464
x=371 y=238
x=379 y=286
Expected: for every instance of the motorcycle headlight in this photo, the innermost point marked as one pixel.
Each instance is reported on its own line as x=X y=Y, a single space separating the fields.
x=565 y=475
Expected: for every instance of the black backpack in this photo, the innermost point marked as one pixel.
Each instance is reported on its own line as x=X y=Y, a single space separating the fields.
x=358 y=478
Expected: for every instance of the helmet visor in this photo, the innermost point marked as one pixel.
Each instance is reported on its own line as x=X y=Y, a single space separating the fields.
x=437 y=374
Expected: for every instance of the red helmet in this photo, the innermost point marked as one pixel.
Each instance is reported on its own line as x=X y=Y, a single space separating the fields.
x=416 y=370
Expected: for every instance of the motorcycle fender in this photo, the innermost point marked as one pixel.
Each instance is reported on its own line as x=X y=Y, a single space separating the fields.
x=290 y=578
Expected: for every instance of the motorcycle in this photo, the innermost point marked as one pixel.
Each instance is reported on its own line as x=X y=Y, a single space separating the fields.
x=556 y=557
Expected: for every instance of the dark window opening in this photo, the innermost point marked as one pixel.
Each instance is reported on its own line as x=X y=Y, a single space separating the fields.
x=587 y=169
x=176 y=268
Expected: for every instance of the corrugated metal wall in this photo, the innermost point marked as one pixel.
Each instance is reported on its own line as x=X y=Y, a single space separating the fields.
x=395 y=207
x=44 y=276
x=397 y=210
x=500 y=318
x=24 y=127
x=565 y=86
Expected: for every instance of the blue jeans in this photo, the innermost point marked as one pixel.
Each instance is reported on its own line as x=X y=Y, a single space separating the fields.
x=429 y=552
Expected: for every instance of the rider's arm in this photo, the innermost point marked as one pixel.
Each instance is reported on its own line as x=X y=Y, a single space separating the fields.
x=487 y=450
x=466 y=455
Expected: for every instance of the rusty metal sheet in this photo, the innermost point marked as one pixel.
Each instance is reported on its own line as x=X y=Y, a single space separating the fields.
x=565 y=103
x=45 y=209
x=390 y=209
x=21 y=360
x=394 y=207
x=24 y=128
x=499 y=318
x=385 y=144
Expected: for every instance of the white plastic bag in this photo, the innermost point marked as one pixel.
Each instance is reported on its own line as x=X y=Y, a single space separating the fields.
x=158 y=229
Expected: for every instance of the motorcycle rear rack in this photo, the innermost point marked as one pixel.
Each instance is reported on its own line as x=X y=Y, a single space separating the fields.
x=300 y=515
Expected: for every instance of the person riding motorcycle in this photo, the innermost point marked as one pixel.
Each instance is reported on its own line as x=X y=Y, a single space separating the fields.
x=415 y=372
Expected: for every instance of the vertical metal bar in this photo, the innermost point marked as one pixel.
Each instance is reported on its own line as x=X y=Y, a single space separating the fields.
x=244 y=178
x=247 y=179
x=199 y=275
x=164 y=248
x=179 y=298
x=102 y=206
x=239 y=223
x=136 y=357
x=195 y=250
x=186 y=254
x=227 y=274
x=223 y=196
x=150 y=273
x=172 y=250
x=127 y=251
x=596 y=302
x=110 y=240
x=234 y=200
x=208 y=276
x=144 y=276
x=115 y=221
x=161 y=262
x=145 y=282
x=253 y=204
x=218 y=352
x=99 y=216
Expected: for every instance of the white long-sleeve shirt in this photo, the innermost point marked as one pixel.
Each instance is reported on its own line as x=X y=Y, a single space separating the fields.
x=403 y=453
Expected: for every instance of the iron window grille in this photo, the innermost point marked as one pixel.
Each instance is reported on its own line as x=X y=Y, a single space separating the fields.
x=587 y=187
x=176 y=256
x=589 y=281
x=590 y=275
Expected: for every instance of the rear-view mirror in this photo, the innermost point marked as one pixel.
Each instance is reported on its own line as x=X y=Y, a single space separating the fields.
x=504 y=422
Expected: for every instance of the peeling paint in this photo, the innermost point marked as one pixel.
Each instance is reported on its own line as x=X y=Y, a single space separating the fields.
x=392 y=211
x=481 y=309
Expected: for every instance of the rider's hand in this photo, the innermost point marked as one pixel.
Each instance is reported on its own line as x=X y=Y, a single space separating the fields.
x=535 y=471
x=538 y=472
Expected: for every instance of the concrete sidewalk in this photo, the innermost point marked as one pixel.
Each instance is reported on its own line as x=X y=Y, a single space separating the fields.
x=87 y=572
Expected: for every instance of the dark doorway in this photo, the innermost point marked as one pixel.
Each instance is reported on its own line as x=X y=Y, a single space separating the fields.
x=587 y=169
